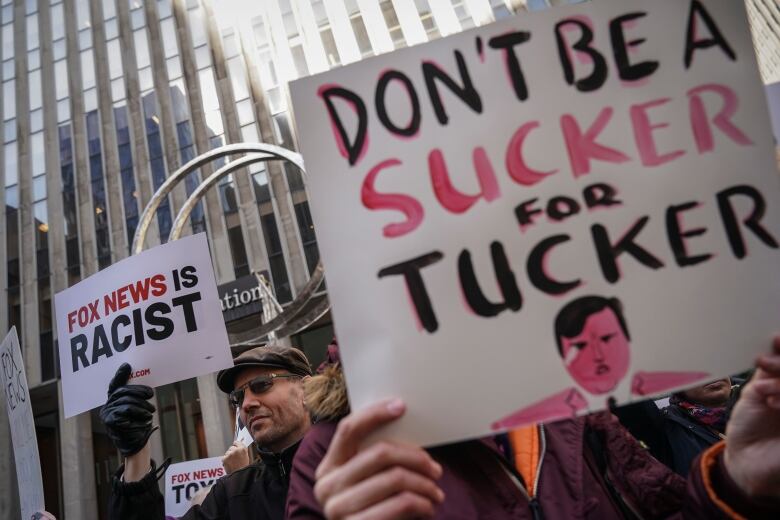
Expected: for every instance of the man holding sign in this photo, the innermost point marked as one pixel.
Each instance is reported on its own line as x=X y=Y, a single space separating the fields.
x=265 y=385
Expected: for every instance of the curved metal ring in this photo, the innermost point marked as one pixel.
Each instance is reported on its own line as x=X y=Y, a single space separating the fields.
x=151 y=208
x=189 y=205
x=264 y=152
x=303 y=296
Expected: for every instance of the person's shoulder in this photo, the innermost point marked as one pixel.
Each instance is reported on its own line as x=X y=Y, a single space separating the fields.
x=313 y=447
x=318 y=438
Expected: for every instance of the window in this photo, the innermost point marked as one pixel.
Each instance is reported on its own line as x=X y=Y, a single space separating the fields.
x=57 y=22
x=181 y=421
x=114 y=59
x=36 y=100
x=238 y=252
x=260 y=183
x=276 y=258
x=8 y=41
x=9 y=99
x=168 y=32
x=9 y=130
x=32 y=32
x=308 y=238
x=227 y=195
x=87 y=69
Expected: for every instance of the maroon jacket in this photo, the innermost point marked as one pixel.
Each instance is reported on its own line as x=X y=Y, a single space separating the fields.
x=576 y=480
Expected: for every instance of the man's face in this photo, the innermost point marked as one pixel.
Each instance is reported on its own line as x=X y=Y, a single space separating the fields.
x=597 y=359
x=711 y=395
x=277 y=417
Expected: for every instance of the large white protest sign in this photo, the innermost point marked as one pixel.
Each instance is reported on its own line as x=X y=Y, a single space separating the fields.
x=522 y=220
x=20 y=419
x=158 y=310
x=185 y=479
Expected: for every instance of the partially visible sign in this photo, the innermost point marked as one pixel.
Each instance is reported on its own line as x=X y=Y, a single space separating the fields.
x=20 y=418
x=185 y=479
x=241 y=298
x=157 y=310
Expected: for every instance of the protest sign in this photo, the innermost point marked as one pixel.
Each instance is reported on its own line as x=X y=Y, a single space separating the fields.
x=185 y=479
x=158 y=310
x=20 y=419
x=522 y=220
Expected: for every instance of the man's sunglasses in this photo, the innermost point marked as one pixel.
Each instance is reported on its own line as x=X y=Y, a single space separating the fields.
x=258 y=385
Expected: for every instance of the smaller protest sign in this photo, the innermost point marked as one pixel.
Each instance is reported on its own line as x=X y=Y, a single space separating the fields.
x=20 y=419
x=158 y=310
x=185 y=479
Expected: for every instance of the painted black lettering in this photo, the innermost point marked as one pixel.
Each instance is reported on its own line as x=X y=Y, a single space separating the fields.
x=608 y=253
x=508 y=42
x=677 y=236
x=600 y=194
x=752 y=222
x=626 y=70
x=598 y=75
x=381 y=109
x=506 y=281
x=354 y=147
x=693 y=42
x=467 y=93
x=536 y=268
x=410 y=269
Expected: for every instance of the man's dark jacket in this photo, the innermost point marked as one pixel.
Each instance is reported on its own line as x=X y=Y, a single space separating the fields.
x=258 y=491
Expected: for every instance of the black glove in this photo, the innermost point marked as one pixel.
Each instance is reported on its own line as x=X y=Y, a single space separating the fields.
x=127 y=413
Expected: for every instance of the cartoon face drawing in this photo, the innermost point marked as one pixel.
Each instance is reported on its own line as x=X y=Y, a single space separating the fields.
x=594 y=343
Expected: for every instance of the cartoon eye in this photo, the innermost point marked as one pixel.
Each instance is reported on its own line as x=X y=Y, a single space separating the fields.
x=608 y=337
x=580 y=345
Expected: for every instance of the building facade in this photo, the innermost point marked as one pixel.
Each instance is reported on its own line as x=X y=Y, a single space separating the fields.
x=100 y=101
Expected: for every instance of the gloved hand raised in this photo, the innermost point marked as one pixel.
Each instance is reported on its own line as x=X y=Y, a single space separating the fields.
x=127 y=414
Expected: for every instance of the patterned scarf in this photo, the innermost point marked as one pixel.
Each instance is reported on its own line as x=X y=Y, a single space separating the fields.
x=715 y=418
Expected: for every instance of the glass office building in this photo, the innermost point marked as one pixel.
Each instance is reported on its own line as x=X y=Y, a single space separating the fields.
x=101 y=100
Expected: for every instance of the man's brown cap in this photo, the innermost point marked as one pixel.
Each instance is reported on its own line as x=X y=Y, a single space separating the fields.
x=273 y=356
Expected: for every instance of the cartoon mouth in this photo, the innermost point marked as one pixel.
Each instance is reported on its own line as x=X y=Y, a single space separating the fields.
x=602 y=369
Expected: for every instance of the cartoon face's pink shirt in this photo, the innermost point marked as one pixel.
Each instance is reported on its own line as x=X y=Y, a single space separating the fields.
x=598 y=358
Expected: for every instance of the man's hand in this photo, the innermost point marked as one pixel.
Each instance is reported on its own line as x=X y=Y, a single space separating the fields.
x=752 y=455
x=236 y=457
x=127 y=413
x=384 y=481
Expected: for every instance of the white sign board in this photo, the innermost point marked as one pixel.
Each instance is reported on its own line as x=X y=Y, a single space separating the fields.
x=523 y=220
x=185 y=479
x=20 y=419
x=158 y=311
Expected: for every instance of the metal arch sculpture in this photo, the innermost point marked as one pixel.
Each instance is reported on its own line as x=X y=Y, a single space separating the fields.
x=286 y=323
